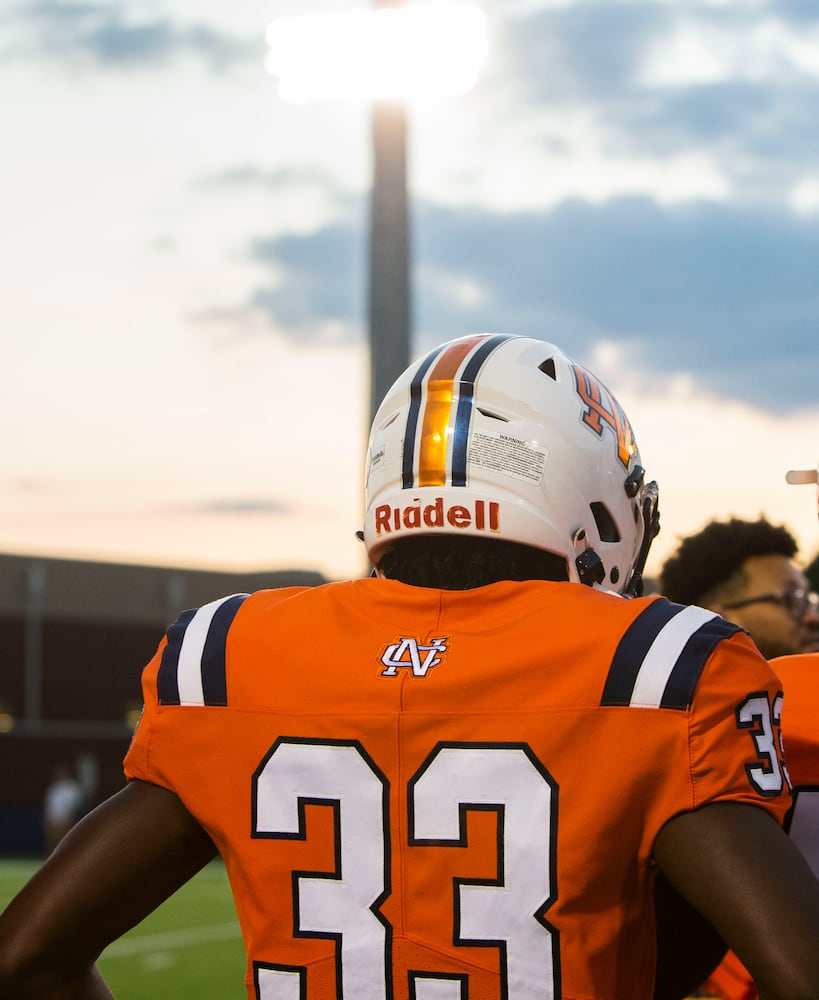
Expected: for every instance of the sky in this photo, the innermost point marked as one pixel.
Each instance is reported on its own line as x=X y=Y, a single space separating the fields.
x=183 y=263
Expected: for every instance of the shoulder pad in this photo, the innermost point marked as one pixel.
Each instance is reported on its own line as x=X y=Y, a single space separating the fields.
x=661 y=655
x=192 y=670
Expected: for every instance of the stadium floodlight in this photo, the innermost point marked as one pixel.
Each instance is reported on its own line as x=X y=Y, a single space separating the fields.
x=396 y=53
x=404 y=52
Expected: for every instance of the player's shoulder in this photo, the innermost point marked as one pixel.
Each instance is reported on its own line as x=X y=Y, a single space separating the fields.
x=797 y=664
x=799 y=674
x=661 y=650
x=193 y=666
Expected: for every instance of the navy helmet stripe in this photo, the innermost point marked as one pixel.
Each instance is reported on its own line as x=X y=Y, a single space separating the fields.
x=167 y=684
x=416 y=393
x=679 y=691
x=214 y=673
x=632 y=650
x=463 y=417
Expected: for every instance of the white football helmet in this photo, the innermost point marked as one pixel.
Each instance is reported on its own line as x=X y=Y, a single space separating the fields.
x=500 y=436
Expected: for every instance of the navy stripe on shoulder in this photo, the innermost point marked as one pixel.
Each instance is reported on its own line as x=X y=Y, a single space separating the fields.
x=192 y=670
x=661 y=656
x=682 y=682
x=167 y=685
x=632 y=650
x=214 y=670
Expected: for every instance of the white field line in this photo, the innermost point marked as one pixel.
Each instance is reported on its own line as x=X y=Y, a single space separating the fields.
x=171 y=940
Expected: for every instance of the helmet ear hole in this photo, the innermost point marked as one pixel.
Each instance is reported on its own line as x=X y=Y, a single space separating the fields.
x=390 y=420
x=491 y=415
x=606 y=525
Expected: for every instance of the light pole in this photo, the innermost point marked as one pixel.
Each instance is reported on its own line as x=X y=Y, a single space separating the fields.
x=389 y=315
x=397 y=52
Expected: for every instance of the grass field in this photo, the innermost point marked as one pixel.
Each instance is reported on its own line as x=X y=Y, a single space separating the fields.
x=189 y=947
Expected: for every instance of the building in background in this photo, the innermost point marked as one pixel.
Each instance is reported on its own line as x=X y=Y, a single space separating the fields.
x=74 y=637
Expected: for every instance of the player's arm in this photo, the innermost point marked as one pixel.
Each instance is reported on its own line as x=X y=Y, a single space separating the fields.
x=688 y=947
x=737 y=867
x=113 y=868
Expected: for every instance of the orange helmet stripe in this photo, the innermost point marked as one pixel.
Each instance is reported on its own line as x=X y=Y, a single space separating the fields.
x=440 y=412
x=441 y=396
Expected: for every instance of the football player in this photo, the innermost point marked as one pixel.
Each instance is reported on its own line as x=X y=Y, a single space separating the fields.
x=800 y=680
x=457 y=778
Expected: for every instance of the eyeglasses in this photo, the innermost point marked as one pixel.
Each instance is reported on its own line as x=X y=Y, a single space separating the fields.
x=796 y=602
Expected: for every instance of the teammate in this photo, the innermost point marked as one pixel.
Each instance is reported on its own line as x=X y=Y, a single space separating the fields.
x=745 y=570
x=800 y=677
x=722 y=567
x=456 y=779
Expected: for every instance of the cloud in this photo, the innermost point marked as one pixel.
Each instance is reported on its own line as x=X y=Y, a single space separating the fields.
x=736 y=82
x=606 y=50
x=320 y=277
x=578 y=51
x=727 y=298
x=297 y=196
x=797 y=12
x=249 y=175
x=236 y=505
x=102 y=36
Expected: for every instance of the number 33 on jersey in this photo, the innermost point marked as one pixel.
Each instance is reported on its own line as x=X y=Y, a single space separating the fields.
x=503 y=910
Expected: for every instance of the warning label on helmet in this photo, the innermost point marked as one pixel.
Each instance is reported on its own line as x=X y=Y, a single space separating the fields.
x=509 y=454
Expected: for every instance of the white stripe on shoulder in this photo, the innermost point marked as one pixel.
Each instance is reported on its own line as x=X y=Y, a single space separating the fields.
x=663 y=653
x=189 y=670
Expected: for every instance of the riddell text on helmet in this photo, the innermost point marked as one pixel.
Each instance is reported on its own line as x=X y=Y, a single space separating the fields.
x=482 y=515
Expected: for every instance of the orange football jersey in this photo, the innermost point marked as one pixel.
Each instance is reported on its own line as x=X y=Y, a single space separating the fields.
x=729 y=981
x=799 y=675
x=435 y=795
x=800 y=734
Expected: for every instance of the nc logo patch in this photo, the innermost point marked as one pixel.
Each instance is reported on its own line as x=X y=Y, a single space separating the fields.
x=410 y=654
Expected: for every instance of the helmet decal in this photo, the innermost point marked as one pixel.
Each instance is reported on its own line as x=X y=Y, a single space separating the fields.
x=432 y=400
x=603 y=409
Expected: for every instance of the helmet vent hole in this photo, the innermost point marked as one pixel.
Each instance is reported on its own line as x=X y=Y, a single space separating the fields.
x=492 y=416
x=606 y=526
x=548 y=368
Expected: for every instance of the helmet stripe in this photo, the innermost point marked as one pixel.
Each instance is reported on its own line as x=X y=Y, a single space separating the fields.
x=416 y=387
x=441 y=392
x=431 y=403
x=464 y=413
